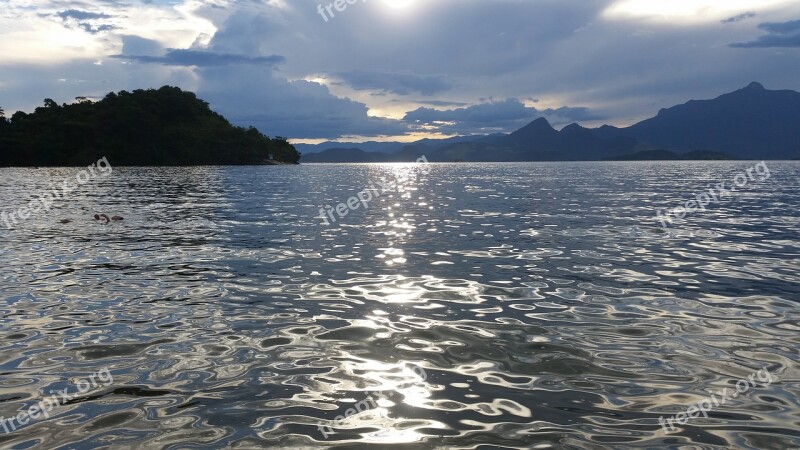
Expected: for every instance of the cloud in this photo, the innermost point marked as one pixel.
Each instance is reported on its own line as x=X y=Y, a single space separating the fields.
x=197 y=58
x=780 y=34
x=492 y=117
x=395 y=83
x=791 y=27
x=295 y=109
x=137 y=45
x=687 y=11
x=81 y=15
x=739 y=18
x=94 y=29
x=566 y=115
x=89 y=22
x=437 y=103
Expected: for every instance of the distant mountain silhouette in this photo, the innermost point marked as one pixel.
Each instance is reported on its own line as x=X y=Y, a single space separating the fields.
x=751 y=123
x=539 y=141
x=380 y=147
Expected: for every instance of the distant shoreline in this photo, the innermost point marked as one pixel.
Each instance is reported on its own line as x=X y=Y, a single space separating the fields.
x=562 y=161
x=407 y=163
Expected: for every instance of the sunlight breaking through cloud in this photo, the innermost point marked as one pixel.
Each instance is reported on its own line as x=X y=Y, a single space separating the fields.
x=686 y=10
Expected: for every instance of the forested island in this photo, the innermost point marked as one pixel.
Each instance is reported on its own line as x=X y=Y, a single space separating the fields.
x=154 y=127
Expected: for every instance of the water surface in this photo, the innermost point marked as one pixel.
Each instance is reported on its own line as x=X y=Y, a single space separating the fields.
x=482 y=305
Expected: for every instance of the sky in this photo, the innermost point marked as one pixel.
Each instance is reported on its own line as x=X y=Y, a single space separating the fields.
x=400 y=69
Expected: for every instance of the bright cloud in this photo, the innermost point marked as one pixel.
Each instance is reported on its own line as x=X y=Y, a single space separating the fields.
x=686 y=10
x=52 y=32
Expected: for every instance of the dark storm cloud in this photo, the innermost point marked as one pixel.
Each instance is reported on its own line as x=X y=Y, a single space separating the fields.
x=498 y=116
x=295 y=109
x=780 y=34
x=395 y=83
x=297 y=125
x=197 y=58
x=791 y=27
x=740 y=17
x=490 y=114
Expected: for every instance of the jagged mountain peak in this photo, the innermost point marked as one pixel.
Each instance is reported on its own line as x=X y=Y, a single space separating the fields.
x=539 y=124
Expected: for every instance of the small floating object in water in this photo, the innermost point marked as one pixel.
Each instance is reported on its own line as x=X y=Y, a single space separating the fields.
x=105 y=217
x=65 y=221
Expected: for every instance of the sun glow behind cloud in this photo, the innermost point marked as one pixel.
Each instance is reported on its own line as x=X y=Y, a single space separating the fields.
x=686 y=10
x=399 y=4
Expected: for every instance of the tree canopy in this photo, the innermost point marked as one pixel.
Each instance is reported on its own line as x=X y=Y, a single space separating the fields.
x=163 y=127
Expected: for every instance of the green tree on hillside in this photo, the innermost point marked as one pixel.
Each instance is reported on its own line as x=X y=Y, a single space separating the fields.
x=166 y=126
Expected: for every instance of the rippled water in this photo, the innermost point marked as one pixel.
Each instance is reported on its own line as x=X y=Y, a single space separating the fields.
x=481 y=306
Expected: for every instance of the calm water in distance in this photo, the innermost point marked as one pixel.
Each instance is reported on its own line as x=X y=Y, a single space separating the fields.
x=482 y=306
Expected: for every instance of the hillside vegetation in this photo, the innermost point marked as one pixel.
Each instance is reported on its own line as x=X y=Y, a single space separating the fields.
x=163 y=127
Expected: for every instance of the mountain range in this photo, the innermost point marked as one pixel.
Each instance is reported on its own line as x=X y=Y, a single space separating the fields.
x=750 y=123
